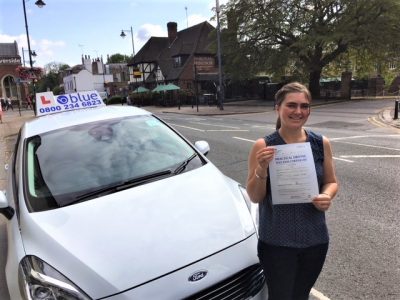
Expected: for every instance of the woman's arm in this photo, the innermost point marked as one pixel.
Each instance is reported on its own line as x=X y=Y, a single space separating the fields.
x=330 y=187
x=259 y=157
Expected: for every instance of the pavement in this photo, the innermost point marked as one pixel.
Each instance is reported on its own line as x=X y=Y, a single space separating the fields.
x=13 y=120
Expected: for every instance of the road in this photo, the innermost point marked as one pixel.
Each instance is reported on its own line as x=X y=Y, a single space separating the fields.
x=363 y=260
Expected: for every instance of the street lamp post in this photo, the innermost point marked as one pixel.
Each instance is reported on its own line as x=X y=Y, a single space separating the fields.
x=33 y=53
x=40 y=4
x=221 y=93
x=123 y=35
x=75 y=88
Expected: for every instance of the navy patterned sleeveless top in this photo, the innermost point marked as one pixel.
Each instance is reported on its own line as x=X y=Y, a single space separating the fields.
x=298 y=225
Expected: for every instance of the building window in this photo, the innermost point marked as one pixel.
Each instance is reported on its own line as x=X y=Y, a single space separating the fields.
x=392 y=65
x=177 y=62
x=10 y=87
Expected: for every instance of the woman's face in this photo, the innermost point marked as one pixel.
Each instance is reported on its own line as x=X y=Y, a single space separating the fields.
x=294 y=110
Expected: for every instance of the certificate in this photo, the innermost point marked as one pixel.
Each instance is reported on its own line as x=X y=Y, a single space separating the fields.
x=292 y=174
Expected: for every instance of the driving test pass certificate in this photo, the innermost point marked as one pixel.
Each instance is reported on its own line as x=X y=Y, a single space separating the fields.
x=292 y=174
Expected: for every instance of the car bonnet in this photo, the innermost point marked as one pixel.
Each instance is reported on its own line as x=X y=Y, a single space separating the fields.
x=116 y=242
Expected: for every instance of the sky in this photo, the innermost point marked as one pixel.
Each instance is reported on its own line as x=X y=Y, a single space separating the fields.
x=62 y=31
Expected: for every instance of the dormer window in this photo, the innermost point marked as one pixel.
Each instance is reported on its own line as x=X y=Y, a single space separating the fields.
x=177 y=61
x=180 y=60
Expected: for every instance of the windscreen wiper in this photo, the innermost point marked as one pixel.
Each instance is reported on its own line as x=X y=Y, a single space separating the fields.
x=120 y=186
x=183 y=165
x=142 y=179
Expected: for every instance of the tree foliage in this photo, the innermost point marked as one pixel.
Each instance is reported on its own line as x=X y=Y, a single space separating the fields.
x=117 y=58
x=306 y=35
x=55 y=67
x=52 y=79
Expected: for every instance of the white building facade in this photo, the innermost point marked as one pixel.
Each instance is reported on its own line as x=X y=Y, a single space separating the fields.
x=91 y=75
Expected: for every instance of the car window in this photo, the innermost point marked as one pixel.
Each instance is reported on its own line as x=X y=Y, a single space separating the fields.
x=67 y=162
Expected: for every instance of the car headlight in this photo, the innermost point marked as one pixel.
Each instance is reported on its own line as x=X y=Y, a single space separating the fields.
x=253 y=207
x=40 y=281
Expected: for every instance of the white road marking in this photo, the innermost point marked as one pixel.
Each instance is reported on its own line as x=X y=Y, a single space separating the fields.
x=371 y=146
x=243 y=139
x=342 y=159
x=175 y=125
x=209 y=130
x=364 y=136
x=372 y=156
x=318 y=295
x=207 y=124
x=337 y=139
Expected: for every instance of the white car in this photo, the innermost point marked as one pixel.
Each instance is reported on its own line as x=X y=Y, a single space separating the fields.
x=112 y=203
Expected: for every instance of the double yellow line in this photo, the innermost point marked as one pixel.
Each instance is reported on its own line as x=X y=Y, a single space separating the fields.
x=377 y=122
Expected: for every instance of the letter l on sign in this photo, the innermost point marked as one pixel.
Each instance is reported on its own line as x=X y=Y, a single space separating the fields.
x=44 y=100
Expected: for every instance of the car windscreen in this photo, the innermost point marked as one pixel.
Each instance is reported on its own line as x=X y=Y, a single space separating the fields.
x=76 y=163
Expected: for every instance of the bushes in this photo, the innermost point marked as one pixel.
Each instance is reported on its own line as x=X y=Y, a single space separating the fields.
x=169 y=98
x=58 y=90
x=142 y=99
x=115 y=100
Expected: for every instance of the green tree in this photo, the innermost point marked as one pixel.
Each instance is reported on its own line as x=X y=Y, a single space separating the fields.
x=55 y=67
x=52 y=79
x=117 y=58
x=307 y=35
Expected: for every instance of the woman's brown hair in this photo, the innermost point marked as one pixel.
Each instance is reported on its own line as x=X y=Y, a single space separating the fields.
x=293 y=87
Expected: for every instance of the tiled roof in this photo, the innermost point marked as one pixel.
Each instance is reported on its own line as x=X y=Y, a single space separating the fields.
x=206 y=39
x=190 y=41
x=150 y=52
x=8 y=49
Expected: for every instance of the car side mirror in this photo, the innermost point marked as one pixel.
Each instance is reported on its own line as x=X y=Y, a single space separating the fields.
x=203 y=147
x=5 y=209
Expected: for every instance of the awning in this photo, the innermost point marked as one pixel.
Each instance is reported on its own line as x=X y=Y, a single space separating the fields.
x=140 y=89
x=165 y=87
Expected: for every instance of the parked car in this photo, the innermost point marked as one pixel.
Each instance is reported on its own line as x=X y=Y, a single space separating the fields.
x=113 y=203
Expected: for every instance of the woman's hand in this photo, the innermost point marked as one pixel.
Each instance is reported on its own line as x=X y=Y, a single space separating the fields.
x=264 y=156
x=259 y=158
x=322 y=202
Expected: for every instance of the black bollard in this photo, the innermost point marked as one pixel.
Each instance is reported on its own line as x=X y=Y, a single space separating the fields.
x=396 y=110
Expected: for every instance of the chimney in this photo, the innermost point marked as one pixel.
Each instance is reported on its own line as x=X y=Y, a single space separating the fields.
x=87 y=63
x=172 y=31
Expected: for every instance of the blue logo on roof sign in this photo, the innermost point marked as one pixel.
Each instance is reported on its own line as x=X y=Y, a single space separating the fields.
x=62 y=99
x=47 y=103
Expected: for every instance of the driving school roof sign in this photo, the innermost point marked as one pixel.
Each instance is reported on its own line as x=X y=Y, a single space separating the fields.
x=48 y=103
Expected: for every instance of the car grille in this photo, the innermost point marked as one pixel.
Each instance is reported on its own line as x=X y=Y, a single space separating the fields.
x=242 y=285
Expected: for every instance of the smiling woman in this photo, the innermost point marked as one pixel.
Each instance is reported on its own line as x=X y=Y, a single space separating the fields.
x=293 y=239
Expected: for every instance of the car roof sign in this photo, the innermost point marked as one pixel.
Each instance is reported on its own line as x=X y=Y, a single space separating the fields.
x=48 y=103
